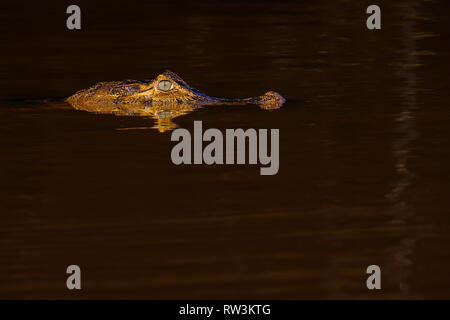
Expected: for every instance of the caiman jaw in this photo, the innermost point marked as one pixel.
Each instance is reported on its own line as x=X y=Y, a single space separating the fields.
x=269 y=101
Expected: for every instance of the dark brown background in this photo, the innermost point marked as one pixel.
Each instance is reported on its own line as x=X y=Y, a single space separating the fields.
x=364 y=152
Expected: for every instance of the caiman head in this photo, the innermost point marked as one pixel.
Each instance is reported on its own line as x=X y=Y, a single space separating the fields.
x=166 y=96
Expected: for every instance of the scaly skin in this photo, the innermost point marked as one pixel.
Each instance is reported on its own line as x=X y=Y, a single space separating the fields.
x=147 y=98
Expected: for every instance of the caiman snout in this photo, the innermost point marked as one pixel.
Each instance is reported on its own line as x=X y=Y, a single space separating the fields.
x=271 y=100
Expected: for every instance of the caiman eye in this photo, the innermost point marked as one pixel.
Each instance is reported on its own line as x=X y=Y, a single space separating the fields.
x=165 y=85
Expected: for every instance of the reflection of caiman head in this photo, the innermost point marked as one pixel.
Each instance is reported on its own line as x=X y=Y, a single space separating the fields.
x=164 y=98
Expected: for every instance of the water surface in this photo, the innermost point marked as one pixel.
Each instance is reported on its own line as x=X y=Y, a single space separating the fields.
x=364 y=153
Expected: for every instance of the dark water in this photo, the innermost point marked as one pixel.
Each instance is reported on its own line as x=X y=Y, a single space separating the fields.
x=364 y=152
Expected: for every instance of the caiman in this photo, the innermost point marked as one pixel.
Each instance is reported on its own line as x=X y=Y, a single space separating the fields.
x=163 y=98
